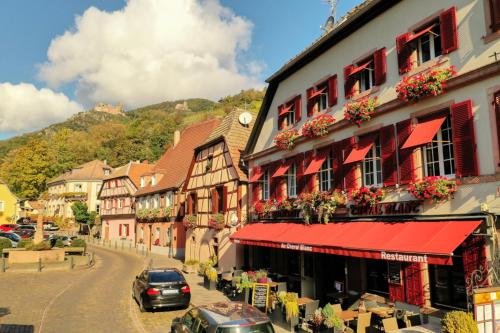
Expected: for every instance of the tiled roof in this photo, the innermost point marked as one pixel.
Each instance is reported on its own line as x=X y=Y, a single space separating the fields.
x=93 y=170
x=236 y=136
x=133 y=170
x=173 y=166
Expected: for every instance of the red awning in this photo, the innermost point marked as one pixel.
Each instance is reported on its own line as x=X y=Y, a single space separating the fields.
x=432 y=242
x=256 y=174
x=285 y=109
x=363 y=147
x=360 y=68
x=316 y=163
x=420 y=33
x=423 y=133
x=282 y=169
x=317 y=93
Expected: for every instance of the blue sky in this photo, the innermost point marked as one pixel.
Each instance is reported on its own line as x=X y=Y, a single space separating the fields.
x=280 y=30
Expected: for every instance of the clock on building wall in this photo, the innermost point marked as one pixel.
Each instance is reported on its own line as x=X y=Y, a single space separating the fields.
x=245 y=118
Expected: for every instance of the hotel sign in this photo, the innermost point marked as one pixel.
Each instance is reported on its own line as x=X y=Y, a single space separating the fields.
x=299 y=247
x=395 y=256
x=388 y=208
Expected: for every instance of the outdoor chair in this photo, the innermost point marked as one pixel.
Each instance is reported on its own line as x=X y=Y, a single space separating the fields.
x=281 y=286
x=309 y=309
x=411 y=313
x=364 y=321
x=337 y=308
x=390 y=324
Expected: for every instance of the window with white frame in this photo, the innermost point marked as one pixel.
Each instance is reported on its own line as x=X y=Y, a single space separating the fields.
x=326 y=174
x=291 y=179
x=120 y=203
x=367 y=78
x=290 y=116
x=265 y=185
x=147 y=203
x=155 y=202
x=322 y=98
x=108 y=204
x=2 y=206
x=78 y=187
x=428 y=46
x=153 y=180
x=143 y=182
x=169 y=199
x=438 y=154
x=372 y=166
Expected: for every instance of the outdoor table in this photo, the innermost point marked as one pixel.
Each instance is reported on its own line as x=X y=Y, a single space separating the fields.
x=426 y=328
x=301 y=301
x=348 y=315
x=381 y=311
x=272 y=284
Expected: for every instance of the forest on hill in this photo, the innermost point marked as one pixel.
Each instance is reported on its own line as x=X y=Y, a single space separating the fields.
x=28 y=161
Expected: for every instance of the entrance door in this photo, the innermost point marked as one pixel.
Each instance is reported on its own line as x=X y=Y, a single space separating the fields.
x=307 y=286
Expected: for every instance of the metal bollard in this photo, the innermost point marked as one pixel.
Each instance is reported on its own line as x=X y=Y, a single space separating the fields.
x=130 y=246
x=143 y=248
x=116 y=245
x=4 y=265
x=123 y=245
x=39 y=264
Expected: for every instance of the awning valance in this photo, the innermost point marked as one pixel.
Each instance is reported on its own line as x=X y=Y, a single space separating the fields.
x=285 y=109
x=420 y=33
x=317 y=93
x=423 y=133
x=282 y=169
x=431 y=242
x=316 y=163
x=359 y=152
x=360 y=68
x=257 y=173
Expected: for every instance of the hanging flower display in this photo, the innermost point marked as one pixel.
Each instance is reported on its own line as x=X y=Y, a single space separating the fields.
x=365 y=196
x=432 y=83
x=189 y=221
x=435 y=189
x=318 y=126
x=360 y=111
x=285 y=140
x=217 y=222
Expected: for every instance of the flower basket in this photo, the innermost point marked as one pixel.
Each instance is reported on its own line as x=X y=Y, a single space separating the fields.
x=189 y=221
x=434 y=189
x=329 y=204
x=318 y=126
x=367 y=196
x=217 y=222
x=360 y=111
x=431 y=83
x=285 y=140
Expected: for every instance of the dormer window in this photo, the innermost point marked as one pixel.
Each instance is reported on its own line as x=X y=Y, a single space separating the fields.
x=143 y=181
x=365 y=74
x=153 y=180
x=107 y=172
x=289 y=113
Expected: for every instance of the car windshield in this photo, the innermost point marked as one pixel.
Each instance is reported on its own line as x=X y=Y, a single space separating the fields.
x=164 y=276
x=259 y=328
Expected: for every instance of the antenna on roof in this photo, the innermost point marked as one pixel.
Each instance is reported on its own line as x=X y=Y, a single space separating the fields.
x=331 y=20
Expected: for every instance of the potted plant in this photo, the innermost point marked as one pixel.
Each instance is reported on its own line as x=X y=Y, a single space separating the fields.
x=367 y=196
x=331 y=321
x=154 y=214
x=189 y=266
x=434 y=189
x=243 y=285
x=458 y=322
x=165 y=212
x=285 y=140
x=431 y=83
x=211 y=277
x=142 y=214
x=287 y=314
x=318 y=126
x=329 y=204
x=261 y=276
x=360 y=111
x=189 y=221
x=217 y=221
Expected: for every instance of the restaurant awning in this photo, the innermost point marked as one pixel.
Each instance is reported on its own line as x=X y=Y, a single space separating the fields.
x=282 y=169
x=316 y=163
x=423 y=133
x=256 y=174
x=430 y=242
x=359 y=152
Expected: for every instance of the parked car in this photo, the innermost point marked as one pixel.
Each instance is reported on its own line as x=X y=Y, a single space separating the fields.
x=23 y=220
x=25 y=233
x=14 y=238
x=50 y=226
x=161 y=288
x=223 y=317
x=25 y=227
x=7 y=227
x=66 y=240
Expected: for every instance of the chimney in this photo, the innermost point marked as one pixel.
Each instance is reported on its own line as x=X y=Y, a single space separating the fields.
x=177 y=137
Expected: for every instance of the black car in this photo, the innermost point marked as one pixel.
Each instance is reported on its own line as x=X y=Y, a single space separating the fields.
x=161 y=288
x=223 y=317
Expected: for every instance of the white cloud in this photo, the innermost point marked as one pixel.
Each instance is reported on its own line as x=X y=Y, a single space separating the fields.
x=24 y=107
x=151 y=51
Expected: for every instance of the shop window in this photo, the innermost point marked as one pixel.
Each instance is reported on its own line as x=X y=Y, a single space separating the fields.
x=326 y=174
x=291 y=180
x=377 y=276
x=448 y=284
x=372 y=166
x=265 y=186
x=438 y=154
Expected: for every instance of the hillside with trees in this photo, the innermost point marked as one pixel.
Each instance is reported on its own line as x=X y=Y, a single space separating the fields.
x=30 y=160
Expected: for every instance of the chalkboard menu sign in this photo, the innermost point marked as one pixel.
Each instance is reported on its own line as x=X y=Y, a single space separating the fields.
x=260 y=296
x=394 y=273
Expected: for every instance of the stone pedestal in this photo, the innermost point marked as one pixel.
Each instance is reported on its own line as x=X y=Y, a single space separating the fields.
x=39 y=230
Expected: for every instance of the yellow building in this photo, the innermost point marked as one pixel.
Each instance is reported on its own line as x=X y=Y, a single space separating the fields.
x=8 y=203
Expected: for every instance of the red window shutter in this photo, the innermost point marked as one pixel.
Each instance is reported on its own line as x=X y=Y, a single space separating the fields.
x=464 y=143
x=350 y=169
x=380 y=66
x=256 y=189
x=280 y=118
x=406 y=166
x=298 y=108
x=332 y=90
x=414 y=284
x=119 y=229
x=495 y=15
x=338 y=160
x=497 y=114
x=189 y=204
x=389 y=163
x=449 y=35
x=127 y=229
x=307 y=182
x=310 y=103
x=474 y=258
x=397 y=291
x=348 y=82
x=404 y=53
x=273 y=181
x=213 y=196
x=224 y=199
x=299 y=160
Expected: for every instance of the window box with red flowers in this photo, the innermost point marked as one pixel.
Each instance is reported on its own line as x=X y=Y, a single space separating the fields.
x=189 y=221
x=434 y=189
x=431 y=83
x=217 y=222
x=285 y=140
x=360 y=111
x=367 y=196
x=318 y=126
